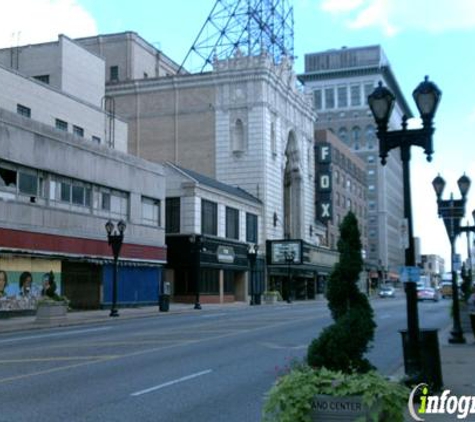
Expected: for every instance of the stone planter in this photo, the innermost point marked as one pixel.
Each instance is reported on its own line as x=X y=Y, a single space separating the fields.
x=51 y=312
x=339 y=409
x=269 y=299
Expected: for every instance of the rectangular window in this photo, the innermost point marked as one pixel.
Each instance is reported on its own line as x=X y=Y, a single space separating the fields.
x=8 y=178
x=317 y=99
x=355 y=93
x=342 y=97
x=209 y=217
x=42 y=78
x=232 y=223
x=368 y=90
x=96 y=140
x=251 y=228
x=228 y=282
x=172 y=215
x=78 y=131
x=78 y=195
x=105 y=201
x=114 y=73
x=151 y=211
x=65 y=192
x=28 y=184
x=87 y=197
x=23 y=110
x=61 y=125
x=209 y=281
x=329 y=98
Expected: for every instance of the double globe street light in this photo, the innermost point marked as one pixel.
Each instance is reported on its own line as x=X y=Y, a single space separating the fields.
x=115 y=239
x=452 y=211
x=381 y=103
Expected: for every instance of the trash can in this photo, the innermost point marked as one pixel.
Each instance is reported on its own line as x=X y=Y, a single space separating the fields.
x=431 y=370
x=164 y=300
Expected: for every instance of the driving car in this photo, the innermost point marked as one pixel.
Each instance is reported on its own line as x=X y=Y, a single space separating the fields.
x=427 y=293
x=446 y=289
x=387 y=291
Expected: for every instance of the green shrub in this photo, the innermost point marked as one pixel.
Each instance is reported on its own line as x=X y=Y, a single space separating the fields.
x=291 y=397
x=342 y=345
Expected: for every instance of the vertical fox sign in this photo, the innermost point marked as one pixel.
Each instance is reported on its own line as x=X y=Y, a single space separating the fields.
x=323 y=181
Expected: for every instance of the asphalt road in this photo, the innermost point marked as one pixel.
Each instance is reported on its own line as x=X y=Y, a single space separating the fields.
x=203 y=366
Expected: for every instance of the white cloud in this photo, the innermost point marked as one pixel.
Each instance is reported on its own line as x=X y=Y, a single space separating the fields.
x=392 y=16
x=33 y=21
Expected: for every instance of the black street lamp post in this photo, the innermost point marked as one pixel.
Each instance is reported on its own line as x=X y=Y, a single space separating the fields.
x=196 y=243
x=452 y=211
x=289 y=258
x=381 y=103
x=115 y=240
x=251 y=256
x=467 y=229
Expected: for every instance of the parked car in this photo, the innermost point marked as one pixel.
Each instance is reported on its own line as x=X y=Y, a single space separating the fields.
x=446 y=289
x=387 y=291
x=427 y=293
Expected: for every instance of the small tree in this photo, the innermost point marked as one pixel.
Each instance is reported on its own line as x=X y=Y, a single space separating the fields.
x=342 y=345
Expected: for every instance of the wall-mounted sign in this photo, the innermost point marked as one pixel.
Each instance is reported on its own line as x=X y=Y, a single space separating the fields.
x=225 y=254
x=324 y=186
x=281 y=250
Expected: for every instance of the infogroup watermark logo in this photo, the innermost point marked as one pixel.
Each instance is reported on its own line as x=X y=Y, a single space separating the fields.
x=459 y=407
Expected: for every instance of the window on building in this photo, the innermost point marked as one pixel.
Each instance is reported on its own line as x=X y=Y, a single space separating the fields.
x=28 y=183
x=273 y=139
x=96 y=140
x=61 y=125
x=371 y=187
x=209 y=217
x=105 y=201
x=317 y=99
x=371 y=172
x=372 y=205
x=209 y=281
x=356 y=137
x=251 y=228
x=238 y=137
x=338 y=199
x=343 y=134
x=150 y=211
x=8 y=178
x=78 y=131
x=232 y=223
x=114 y=73
x=42 y=78
x=23 y=110
x=228 y=282
x=78 y=195
x=342 y=96
x=370 y=158
x=337 y=177
x=65 y=194
x=370 y=136
x=368 y=90
x=329 y=98
x=172 y=215
x=355 y=93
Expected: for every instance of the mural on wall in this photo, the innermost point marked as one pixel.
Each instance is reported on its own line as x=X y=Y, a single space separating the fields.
x=23 y=281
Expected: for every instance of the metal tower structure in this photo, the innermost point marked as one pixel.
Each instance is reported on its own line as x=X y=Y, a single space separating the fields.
x=247 y=26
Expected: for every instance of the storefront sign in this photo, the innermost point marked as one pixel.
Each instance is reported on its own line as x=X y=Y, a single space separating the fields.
x=225 y=254
x=280 y=250
x=324 y=188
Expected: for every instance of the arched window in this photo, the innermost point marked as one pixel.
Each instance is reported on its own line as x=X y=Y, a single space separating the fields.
x=273 y=139
x=356 y=137
x=238 y=137
x=343 y=134
x=370 y=136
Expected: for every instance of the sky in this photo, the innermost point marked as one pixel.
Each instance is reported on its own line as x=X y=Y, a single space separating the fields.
x=422 y=37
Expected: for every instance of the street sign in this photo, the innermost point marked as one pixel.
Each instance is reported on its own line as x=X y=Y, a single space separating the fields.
x=409 y=274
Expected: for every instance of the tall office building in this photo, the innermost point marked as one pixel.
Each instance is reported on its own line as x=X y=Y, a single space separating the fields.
x=339 y=82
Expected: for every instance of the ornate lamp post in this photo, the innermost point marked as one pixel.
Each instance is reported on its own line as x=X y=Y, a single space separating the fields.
x=289 y=258
x=452 y=211
x=381 y=103
x=115 y=240
x=251 y=256
x=196 y=243
x=467 y=229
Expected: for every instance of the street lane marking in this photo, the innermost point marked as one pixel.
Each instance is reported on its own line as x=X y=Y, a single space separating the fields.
x=58 y=359
x=169 y=383
x=63 y=333
x=278 y=346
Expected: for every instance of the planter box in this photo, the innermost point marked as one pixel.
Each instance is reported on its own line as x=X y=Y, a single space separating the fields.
x=51 y=313
x=338 y=409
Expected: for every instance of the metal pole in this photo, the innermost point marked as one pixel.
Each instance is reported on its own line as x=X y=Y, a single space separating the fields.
x=469 y=256
x=114 y=312
x=252 y=280
x=456 y=333
x=288 y=281
x=197 y=246
x=410 y=287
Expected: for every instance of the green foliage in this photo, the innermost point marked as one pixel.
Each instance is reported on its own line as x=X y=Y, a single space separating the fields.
x=342 y=345
x=290 y=399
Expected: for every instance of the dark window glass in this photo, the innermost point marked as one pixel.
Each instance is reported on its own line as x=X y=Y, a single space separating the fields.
x=209 y=281
x=172 y=215
x=65 y=192
x=88 y=196
x=78 y=131
x=7 y=177
x=232 y=223
x=96 y=140
x=61 y=125
x=228 y=282
x=209 y=217
x=23 y=111
x=106 y=201
x=78 y=195
x=42 y=78
x=114 y=73
x=251 y=228
x=28 y=184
